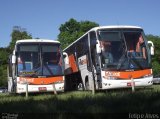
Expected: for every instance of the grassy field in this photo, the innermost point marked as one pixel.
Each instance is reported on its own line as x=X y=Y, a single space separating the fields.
x=114 y=101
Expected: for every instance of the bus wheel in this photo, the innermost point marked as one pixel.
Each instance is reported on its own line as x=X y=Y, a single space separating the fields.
x=87 y=85
x=80 y=86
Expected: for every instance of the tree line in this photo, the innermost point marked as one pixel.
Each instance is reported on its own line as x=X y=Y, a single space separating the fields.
x=69 y=32
x=17 y=33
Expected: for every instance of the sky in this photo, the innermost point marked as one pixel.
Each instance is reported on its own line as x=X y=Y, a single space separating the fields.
x=42 y=18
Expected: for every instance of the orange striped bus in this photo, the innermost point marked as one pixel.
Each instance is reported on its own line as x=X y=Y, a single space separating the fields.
x=109 y=57
x=37 y=62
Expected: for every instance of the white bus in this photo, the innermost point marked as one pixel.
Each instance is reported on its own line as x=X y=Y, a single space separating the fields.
x=37 y=62
x=109 y=57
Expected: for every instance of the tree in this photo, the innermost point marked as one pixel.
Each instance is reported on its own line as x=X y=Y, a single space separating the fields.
x=3 y=66
x=3 y=56
x=18 y=33
x=72 y=30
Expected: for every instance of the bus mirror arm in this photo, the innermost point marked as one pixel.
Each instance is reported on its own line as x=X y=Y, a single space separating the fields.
x=65 y=56
x=98 y=48
x=97 y=64
x=152 y=50
x=13 y=59
x=151 y=47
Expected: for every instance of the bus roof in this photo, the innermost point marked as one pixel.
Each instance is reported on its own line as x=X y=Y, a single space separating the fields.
x=36 y=40
x=106 y=27
x=116 y=27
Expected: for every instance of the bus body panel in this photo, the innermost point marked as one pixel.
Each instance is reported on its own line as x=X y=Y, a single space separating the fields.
x=40 y=81
x=73 y=64
x=113 y=84
x=21 y=88
x=10 y=84
x=35 y=87
x=118 y=79
x=118 y=75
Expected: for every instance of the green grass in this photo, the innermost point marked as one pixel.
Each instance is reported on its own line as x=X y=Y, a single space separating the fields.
x=114 y=101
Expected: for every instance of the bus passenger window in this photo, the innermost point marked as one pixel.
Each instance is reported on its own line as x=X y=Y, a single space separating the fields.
x=135 y=45
x=106 y=52
x=140 y=47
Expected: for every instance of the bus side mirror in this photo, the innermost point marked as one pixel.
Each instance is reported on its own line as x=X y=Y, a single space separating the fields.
x=98 y=48
x=151 y=47
x=66 y=59
x=13 y=59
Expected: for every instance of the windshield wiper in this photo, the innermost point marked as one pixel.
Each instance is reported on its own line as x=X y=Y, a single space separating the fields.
x=121 y=62
x=49 y=70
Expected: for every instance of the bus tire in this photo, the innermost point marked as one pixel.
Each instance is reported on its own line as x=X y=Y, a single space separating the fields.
x=86 y=84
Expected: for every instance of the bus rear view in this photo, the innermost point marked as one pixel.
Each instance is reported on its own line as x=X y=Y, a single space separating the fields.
x=37 y=62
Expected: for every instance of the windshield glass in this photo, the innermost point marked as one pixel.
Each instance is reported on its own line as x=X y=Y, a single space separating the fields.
x=123 y=50
x=39 y=60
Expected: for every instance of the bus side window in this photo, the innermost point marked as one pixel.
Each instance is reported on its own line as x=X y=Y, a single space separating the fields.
x=93 y=43
x=140 y=47
x=82 y=46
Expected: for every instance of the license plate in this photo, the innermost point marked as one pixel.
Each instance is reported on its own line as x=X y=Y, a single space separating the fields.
x=42 y=89
x=130 y=84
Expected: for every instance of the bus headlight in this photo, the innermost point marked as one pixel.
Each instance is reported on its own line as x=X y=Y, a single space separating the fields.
x=112 y=78
x=58 y=82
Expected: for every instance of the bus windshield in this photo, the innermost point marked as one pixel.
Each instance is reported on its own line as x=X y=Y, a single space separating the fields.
x=39 y=60
x=123 y=50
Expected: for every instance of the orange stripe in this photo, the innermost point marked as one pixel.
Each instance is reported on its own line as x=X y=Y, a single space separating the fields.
x=40 y=81
x=128 y=74
x=135 y=74
x=72 y=63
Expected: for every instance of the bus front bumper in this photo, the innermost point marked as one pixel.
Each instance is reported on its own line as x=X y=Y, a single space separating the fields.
x=22 y=88
x=113 y=84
